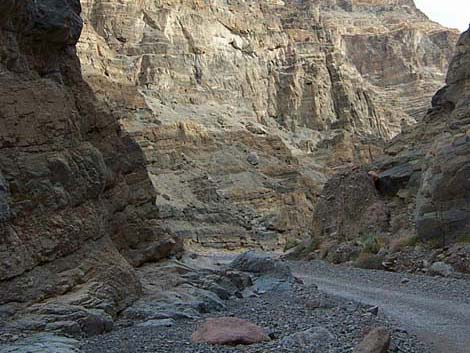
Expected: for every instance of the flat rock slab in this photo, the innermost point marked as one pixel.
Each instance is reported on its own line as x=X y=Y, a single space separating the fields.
x=271 y=274
x=42 y=343
x=229 y=331
x=158 y=323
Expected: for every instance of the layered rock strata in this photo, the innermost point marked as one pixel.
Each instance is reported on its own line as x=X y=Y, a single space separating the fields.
x=205 y=121
x=76 y=202
x=243 y=108
x=420 y=186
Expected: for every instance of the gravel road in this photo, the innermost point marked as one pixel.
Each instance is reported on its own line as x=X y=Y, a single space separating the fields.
x=329 y=309
x=284 y=314
x=437 y=310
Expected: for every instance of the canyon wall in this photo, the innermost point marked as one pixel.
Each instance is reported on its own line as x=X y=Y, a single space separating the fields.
x=419 y=189
x=242 y=109
x=76 y=202
x=211 y=123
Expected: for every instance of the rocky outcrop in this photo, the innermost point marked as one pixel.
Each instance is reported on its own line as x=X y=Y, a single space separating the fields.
x=211 y=123
x=268 y=273
x=243 y=108
x=205 y=122
x=420 y=187
x=76 y=202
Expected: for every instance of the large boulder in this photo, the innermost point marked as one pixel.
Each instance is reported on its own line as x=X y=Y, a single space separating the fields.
x=269 y=273
x=229 y=331
x=351 y=205
x=177 y=290
x=261 y=264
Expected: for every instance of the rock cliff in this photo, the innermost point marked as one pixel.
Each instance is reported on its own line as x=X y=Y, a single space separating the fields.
x=76 y=202
x=210 y=122
x=419 y=189
x=243 y=108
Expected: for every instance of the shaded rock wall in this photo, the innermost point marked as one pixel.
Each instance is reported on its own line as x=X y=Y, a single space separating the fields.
x=76 y=202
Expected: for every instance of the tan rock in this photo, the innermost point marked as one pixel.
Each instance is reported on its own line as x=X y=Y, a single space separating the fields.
x=421 y=184
x=304 y=85
x=377 y=341
x=229 y=331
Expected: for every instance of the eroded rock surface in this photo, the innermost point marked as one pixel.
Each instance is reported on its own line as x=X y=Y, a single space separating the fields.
x=76 y=202
x=269 y=273
x=212 y=123
x=420 y=187
x=242 y=108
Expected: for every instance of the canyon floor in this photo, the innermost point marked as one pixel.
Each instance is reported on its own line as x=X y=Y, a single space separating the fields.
x=329 y=313
x=437 y=310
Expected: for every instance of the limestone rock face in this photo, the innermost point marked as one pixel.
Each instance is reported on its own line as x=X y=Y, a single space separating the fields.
x=205 y=86
x=76 y=201
x=421 y=184
x=396 y=48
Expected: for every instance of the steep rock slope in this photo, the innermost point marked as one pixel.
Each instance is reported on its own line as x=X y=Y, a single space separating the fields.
x=395 y=47
x=76 y=201
x=242 y=108
x=420 y=186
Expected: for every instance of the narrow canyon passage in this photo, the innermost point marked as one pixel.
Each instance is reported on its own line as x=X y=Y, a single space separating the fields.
x=137 y=138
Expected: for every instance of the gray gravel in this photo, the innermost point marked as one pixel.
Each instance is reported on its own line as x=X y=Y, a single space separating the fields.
x=436 y=309
x=299 y=309
x=454 y=289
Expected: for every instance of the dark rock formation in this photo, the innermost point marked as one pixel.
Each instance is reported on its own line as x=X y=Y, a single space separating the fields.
x=269 y=273
x=76 y=203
